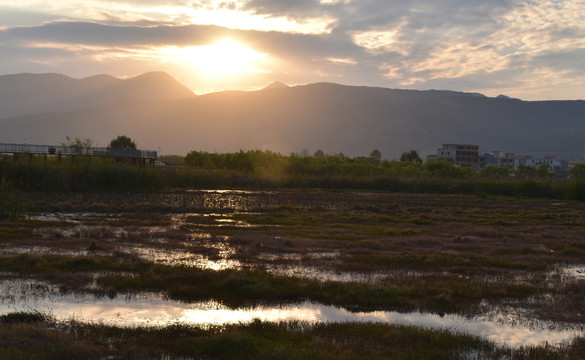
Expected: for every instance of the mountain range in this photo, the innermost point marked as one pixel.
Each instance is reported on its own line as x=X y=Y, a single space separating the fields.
x=161 y=114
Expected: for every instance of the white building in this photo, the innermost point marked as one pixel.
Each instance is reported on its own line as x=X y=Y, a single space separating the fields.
x=554 y=165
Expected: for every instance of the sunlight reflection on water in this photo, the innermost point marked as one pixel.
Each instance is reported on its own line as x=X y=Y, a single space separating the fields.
x=150 y=309
x=572 y=272
x=155 y=310
x=179 y=257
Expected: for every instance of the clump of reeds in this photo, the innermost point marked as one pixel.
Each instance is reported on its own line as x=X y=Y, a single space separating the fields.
x=34 y=335
x=13 y=203
x=25 y=317
x=254 y=340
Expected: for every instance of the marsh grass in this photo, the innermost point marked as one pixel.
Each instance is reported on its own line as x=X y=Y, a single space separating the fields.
x=256 y=340
x=35 y=336
x=244 y=287
x=13 y=232
x=37 y=174
x=441 y=253
x=13 y=202
x=450 y=248
x=26 y=317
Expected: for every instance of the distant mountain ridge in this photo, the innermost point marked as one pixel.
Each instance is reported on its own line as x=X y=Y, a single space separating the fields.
x=276 y=85
x=26 y=94
x=353 y=120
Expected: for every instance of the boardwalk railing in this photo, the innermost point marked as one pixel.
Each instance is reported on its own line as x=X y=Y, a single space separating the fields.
x=73 y=150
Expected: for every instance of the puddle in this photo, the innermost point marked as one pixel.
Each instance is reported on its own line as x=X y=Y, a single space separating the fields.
x=572 y=272
x=181 y=257
x=41 y=250
x=151 y=309
x=71 y=217
x=313 y=273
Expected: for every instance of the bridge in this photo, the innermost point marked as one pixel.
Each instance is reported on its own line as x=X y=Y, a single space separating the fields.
x=141 y=156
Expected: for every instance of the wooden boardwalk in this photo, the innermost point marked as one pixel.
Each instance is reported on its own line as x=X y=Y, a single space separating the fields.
x=141 y=156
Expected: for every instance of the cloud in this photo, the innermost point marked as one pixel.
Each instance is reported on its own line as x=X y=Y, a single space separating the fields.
x=111 y=35
x=297 y=8
x=95 y=34
x=480 y=45
x=14 y=17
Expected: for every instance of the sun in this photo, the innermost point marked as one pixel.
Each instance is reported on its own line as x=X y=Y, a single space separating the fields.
x=223 y=58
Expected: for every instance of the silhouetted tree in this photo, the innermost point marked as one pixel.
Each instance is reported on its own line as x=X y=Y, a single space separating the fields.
x=523 y=171
x=577 y=172
x=78 y=145
x=543 y=171
x=411 y=157
x=122 y=142
x=319 y=154
x=376 y=155
x=444 y=168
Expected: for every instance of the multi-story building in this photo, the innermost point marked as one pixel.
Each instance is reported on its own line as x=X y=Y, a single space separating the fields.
x=461 y=154
x=497 y=159
x=468 y=155
x=507 y=160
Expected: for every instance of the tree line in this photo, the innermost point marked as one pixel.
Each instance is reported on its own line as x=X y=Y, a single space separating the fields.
x=257 y=169
x=410 y=165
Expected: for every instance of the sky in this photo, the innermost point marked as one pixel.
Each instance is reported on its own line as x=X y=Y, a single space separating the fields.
x=529 y=49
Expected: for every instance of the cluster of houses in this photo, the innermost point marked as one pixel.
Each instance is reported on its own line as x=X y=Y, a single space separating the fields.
x=469 y=156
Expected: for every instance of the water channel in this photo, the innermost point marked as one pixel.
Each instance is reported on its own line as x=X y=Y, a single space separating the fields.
x=152 y=309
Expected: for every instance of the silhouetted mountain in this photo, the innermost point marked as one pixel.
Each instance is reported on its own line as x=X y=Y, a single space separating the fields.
x=276 y=85
x=23 y=94
x=334 y=118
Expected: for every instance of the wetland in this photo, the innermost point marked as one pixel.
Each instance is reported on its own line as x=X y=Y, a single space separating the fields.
x=293 y=274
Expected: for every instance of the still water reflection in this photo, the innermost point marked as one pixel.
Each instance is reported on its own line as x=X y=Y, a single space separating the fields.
x=154 y=310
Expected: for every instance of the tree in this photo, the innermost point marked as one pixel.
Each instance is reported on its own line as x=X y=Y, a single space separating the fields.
x=376 y=155
x=78 y=145
x=411 y=157
x=319 y=154
x=122 y=142
x=543 y=171
x=523 y=171
x=577 y=172
x=203 y=160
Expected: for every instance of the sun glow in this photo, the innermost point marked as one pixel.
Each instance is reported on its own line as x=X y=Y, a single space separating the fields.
x=226 y=57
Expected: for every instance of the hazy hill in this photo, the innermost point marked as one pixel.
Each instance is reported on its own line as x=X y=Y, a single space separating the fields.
x=334 y=118
x=276 y=85
x=24 y=94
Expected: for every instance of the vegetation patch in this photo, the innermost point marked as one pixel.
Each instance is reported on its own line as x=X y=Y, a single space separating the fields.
x=257 y=340
x=266 y=170
x=441 y=253
x=10 y=232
